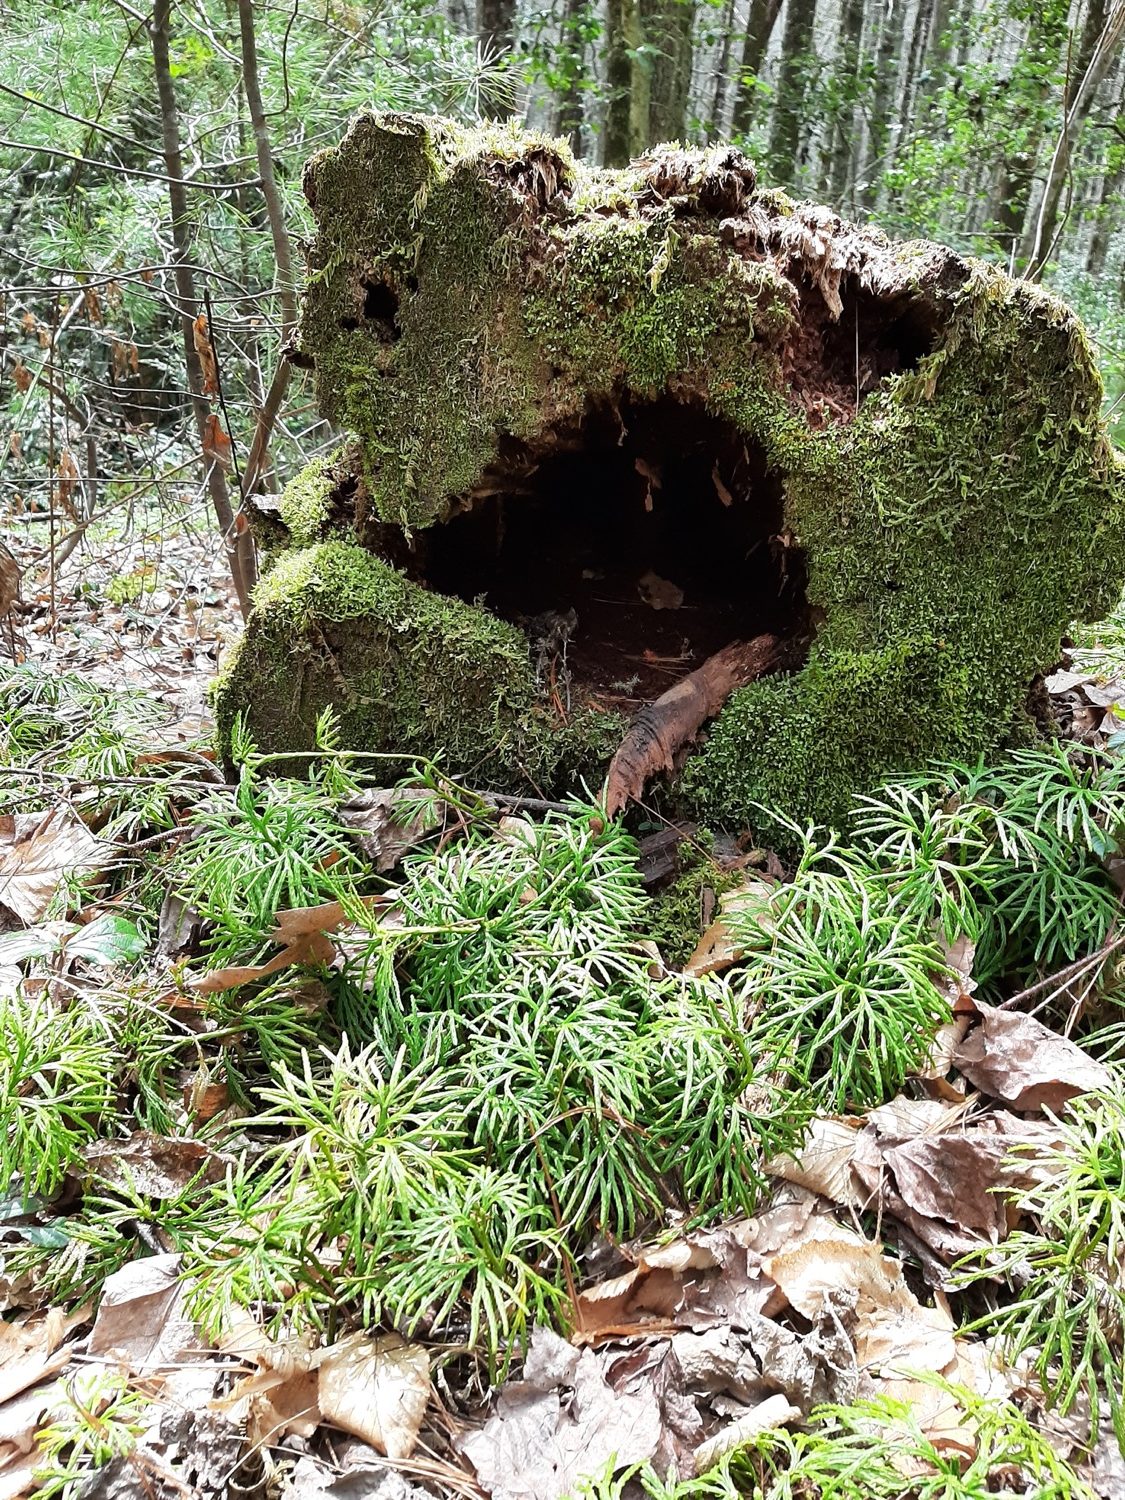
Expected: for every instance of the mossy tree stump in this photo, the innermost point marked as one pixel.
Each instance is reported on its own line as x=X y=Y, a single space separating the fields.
x=604 y=423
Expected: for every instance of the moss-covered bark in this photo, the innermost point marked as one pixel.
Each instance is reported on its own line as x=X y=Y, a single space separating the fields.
x=948 y=483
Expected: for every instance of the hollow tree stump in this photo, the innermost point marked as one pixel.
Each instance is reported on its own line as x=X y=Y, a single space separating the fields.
x=606 y=423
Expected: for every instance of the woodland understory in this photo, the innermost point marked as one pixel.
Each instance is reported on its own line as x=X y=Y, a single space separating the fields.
x=372 y=1125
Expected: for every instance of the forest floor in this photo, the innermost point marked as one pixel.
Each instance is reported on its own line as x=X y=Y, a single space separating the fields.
x=365 y=1138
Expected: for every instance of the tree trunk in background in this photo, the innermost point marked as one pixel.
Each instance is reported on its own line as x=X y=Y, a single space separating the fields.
x=1108 y=216
x=722 y=77
x=1011 y=196
x=1104 y=207
x=496 y=30
x=187 y=302
x=569 y=113
x=667 y=27
x=919 y=34
x=882 y=102
x=1091 y=63
x=759 y=28
x=627 y=83
x=840 y=161
x=789 y=114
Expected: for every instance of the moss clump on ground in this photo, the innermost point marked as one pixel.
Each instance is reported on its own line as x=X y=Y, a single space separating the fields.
x=949 y=491
x=404 y=670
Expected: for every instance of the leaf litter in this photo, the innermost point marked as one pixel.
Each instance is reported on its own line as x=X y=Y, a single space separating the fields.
x=684 y=1348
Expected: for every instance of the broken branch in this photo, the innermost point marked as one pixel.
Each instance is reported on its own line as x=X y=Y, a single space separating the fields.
x=664 y=727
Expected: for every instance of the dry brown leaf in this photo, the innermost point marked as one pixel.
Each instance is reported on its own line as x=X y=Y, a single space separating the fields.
x=201 y=337
x=21 y=376
x=32 y=1349
x=719 y=947
x=953 y=1178
x=303 y=933
x=158 y=1166
x=838 y=1261
x=825 y=1161
x=67 y=476
x=376 y=1389
x=389 y=821
x=540 y=1446
x=142 y=1322
x=216 y=444
x=37 y=852
x=720 y=488
x=774 y=1411
x=9 y=580
x=1016 y=1058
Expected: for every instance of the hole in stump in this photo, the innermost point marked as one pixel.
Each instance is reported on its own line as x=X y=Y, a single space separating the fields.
x=380 y=310
x=658 y=524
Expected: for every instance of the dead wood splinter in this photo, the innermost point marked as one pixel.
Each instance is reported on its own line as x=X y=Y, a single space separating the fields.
x=664 y=727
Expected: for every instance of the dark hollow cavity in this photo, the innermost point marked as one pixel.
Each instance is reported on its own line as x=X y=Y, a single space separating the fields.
x=613 y=517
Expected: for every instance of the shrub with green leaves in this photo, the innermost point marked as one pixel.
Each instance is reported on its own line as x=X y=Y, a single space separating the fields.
x=1009 y=855
x=878 y=1448
x=873 y=1450
x=97 y=1418
x=525 y=1074
x=840 y=985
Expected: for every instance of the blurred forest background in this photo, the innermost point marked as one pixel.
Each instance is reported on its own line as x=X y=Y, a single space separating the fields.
x=152 y=218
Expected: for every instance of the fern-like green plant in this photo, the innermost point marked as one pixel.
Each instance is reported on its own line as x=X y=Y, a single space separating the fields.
x=1068 y=1308
x=56 y=1089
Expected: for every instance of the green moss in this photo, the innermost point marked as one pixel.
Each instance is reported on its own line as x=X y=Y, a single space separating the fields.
x=675 y=922
x=948 y=531
x=474 y=290
x=306 y=503
x=407 y=671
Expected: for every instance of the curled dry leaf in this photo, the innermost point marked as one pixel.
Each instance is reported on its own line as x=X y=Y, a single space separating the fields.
x=1016 y=1058
x=10 y=577
x=664 y=727
x=216 y=444
x=201 y=338
x=303 y=933
x=67 y=475
x=774 y=1411
x=562 y=1423
x=825 y=1161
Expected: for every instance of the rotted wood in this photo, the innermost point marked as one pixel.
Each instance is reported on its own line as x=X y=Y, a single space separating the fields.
x=662 y=728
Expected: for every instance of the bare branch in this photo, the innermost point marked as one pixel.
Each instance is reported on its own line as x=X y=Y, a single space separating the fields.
x=117 y=170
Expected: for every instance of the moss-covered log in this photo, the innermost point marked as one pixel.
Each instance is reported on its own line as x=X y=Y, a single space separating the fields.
x=606 y=423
